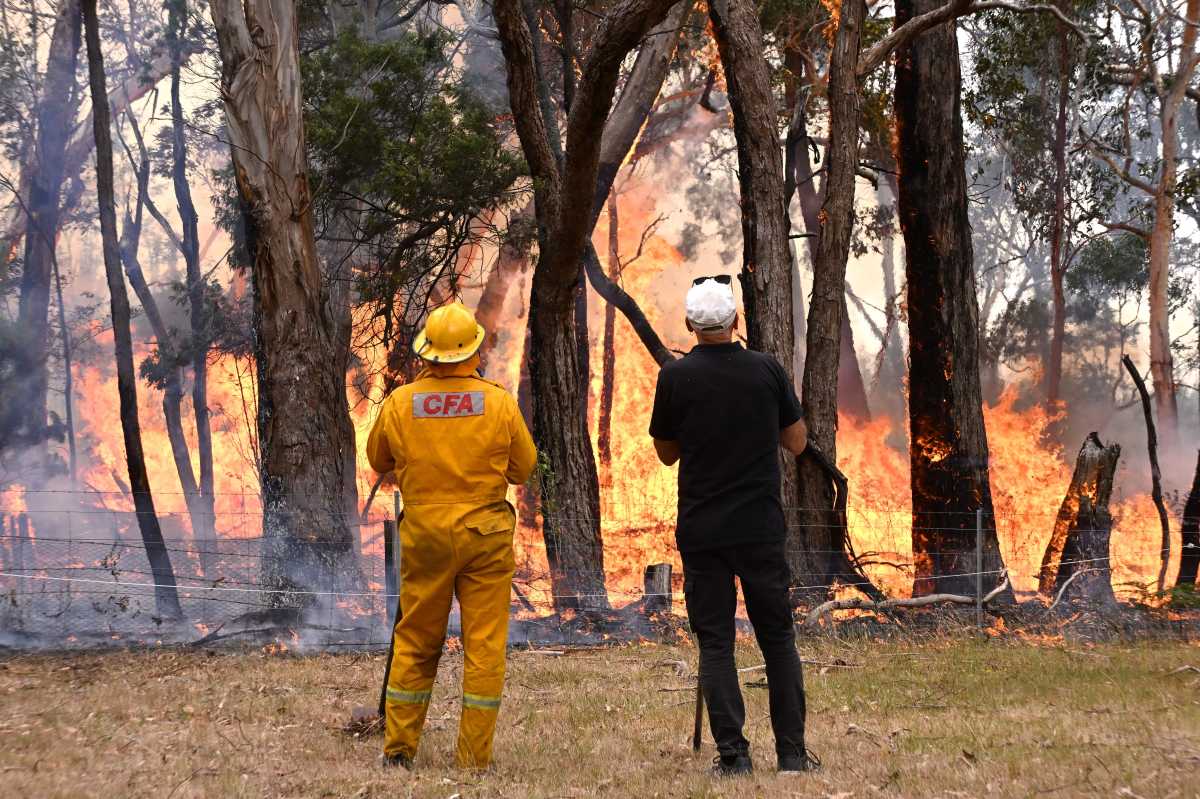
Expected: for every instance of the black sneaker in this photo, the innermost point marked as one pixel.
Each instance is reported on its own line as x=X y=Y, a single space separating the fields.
x=799 y=762
x=392 y=761
x=732 y=765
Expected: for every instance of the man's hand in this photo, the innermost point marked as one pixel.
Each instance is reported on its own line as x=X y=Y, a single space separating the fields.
x=668 y=451
x=794 y=437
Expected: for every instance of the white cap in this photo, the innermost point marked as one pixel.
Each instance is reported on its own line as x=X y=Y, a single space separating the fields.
x=710 y=305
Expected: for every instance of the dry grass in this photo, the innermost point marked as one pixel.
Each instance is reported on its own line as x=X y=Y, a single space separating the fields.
x=954 y=718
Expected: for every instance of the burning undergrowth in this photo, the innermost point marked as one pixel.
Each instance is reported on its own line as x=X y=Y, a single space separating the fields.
x=74 y=571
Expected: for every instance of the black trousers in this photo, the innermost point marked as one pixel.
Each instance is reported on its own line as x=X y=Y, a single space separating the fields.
x=711 y=603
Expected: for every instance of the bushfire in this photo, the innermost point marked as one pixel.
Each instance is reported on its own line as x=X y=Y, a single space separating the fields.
x=1029 y=476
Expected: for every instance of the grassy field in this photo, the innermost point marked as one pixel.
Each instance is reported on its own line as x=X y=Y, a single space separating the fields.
x=949 y=718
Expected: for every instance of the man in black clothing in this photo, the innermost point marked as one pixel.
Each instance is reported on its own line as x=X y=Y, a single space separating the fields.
x=723 y=412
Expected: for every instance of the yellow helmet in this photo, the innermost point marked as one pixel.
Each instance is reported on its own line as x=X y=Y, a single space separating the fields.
x=451 y=335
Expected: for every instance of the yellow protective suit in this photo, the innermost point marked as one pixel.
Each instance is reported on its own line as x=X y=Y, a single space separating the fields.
x=455 y=441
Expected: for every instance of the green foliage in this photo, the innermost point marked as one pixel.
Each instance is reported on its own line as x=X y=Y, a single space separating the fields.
x=1021 y=61
x=1110 y=266
x=399 y=141
x=227 y=331
x=1184 y=597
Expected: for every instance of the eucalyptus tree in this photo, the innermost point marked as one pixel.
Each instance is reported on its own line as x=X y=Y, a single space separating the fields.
x=1150 y=61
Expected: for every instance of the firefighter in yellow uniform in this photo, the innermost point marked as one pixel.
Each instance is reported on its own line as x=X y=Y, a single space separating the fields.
x=455 y=441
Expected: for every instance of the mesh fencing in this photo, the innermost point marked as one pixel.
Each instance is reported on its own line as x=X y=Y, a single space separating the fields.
x=74 y=570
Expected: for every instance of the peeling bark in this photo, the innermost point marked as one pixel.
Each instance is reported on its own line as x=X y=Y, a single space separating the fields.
x=302 y=394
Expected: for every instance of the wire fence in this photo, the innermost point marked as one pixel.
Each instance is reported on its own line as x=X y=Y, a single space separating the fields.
x=74 y=569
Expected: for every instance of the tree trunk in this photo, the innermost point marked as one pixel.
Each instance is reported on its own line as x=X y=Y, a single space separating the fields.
x=889 y=365
x=1085 y=573
x=608 y=348
x=130 y=243
x=204 y=519
x=1162 y=365
x=166 y=596
x=302 y=396
x=1058 y=223
x=852 y=388
x=1092 y=482
x=1189 y=534
x=767 y=270
x=827 y=322
x=55 y=111
x=800 y=180
x=948 y=449
x=64 y=332
x=1156 y=493
x=583 y=347
x=569 y=487
x=564 y=191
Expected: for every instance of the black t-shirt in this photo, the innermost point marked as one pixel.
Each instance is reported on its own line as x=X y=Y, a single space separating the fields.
x=725 y=405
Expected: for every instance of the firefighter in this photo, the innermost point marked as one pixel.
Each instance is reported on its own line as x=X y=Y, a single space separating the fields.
x=455 y=441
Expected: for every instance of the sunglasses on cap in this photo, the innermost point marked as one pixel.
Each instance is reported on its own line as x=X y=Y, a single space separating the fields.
x=725 y=280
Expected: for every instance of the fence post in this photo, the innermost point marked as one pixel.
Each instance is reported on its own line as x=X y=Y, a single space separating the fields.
x=389 y=569
x=979 y=566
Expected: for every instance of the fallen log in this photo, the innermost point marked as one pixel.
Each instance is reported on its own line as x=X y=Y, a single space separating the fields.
x=816 y=614
x=1189 y=534
x=1091 y=483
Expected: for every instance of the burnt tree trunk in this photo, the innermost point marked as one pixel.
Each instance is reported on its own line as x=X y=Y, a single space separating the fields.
x=1091 y=485
x=166 y=596
x=1085 y=573
x=948 y=449
x=302 y=396
x=204 y=518
x=55 y=112
x=1189 y=534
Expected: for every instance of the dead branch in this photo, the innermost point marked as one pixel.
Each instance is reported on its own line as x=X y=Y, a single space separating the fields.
x=1155 y=474
x=815 y=615
x=1063 y=591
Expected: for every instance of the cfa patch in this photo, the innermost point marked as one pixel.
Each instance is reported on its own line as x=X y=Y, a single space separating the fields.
x=447 y=404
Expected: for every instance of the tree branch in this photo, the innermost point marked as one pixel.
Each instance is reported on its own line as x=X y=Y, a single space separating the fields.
x=901 y=36
x=814 y=616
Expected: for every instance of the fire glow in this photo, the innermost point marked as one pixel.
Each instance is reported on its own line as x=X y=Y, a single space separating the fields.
x=638 y=495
